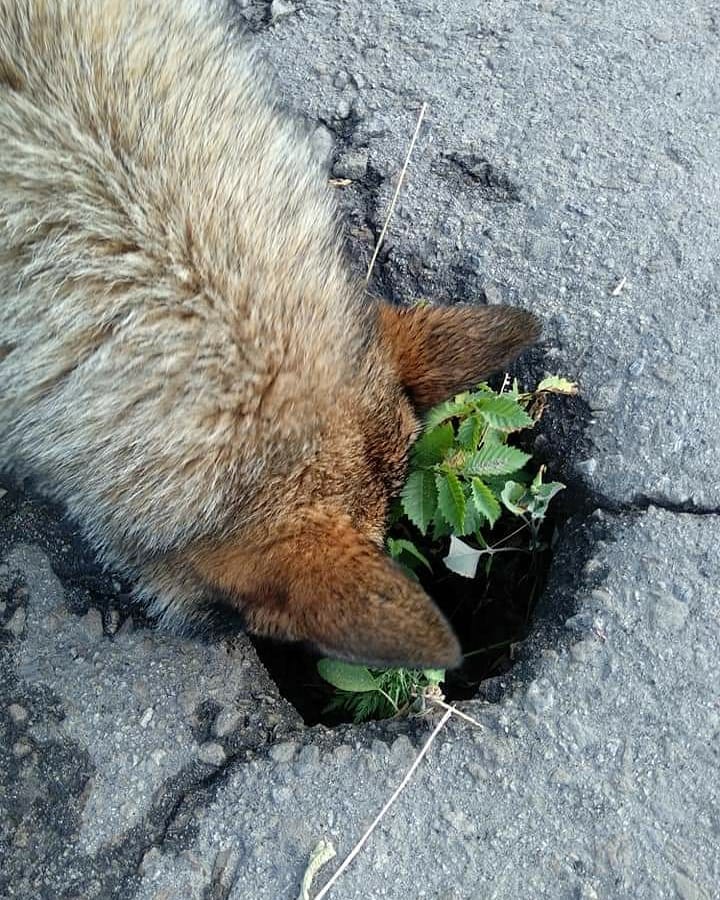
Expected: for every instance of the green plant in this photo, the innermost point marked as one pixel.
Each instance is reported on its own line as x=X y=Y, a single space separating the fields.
x=375 y=693
x=464 y=475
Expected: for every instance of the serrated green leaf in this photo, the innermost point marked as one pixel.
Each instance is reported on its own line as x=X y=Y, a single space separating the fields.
x=554 y=384
x=485 y=501
x=512 y=496
x=503 y=412
x=451 y=500
x=419 y=498
x=432 y=445
x=494 y=436
x=398 y=546
x=469 y=432
x=474 y=519
x=346 y=676
x=459 y=407
x=441 y=528
x=496 y=459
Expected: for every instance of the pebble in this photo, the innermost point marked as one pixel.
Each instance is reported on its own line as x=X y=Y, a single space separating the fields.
x=92 y=623
x=212 y=753
x=540 y=697
x=158 y=756
x=351 y=164
x=279 y=9
x=113 y=621
x=226 y=721
x=146 y=717
x=16 y=623
x=342 y=110
x=21 y=749
x=283 y=752
x=402 y=752
x=18 y=713
x=587 y=467
x=323 y=142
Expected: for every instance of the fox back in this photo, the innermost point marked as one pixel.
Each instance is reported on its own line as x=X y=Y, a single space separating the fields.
x=185 y=361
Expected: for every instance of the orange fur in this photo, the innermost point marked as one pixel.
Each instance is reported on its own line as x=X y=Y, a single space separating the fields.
x=185 y=361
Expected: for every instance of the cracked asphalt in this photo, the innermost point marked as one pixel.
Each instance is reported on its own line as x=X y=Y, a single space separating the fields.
x=569 y=161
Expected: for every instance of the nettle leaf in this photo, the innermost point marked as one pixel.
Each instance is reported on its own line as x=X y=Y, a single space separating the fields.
x=504 y=413
x=419 y=498
x=554 y=384
x=469 y=432
x=451 y=500
x=434 y=676
x=474 y=519
x=512 y=495
x=496 y=459
x=494 y=436
x=459 y=407
x=399 y=546
x=441 y=527
x=462 y=559
x=485 y=501
x=346 y=676
x=431 y=447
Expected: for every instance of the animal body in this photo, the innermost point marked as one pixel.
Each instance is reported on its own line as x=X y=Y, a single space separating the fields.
x=185 y=361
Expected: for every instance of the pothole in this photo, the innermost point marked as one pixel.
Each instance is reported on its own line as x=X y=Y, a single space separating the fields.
x=491 y=613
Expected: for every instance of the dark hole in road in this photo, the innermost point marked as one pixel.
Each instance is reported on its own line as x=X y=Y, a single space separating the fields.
x=490 y=613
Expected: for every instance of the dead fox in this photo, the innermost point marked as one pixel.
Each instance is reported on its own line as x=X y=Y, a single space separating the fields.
x=185 y=360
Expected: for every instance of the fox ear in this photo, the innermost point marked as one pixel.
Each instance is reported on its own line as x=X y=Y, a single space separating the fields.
x=328 y=585
x=440 y=350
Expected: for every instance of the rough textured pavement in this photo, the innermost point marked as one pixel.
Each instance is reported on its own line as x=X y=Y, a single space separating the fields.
x=569 y=161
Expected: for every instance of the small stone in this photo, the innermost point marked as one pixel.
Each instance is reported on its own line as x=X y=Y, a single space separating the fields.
x=146 y=717
x=212 y=753
x=341 y=80
x=457 y=820
x=283 y=752
x=226 y=721
x=113 y=621
x=150 y=860
x=687 y=889
x=279 y=9
x=492 y=294
x=635 y=368
x=540 y=697
x=21 y=749
x=323 y=141
x=16 y=624
x=92 y=623
x=18 y=713
x=309 y=757
x=669 y=613
x=584 y=650
x=127 y=627
x=342 y=110
x=352 y=164
x=587 y=467
x=402 y=752
x=158 y=756
x=226 y=863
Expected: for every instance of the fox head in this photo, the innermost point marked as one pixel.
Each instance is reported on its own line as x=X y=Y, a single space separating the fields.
x=319 y=574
